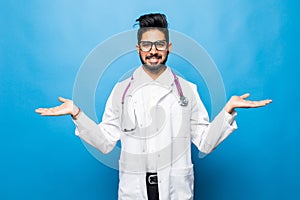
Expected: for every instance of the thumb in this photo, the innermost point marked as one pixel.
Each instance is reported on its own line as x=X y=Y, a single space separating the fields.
x=244 y=96
x=63 y=100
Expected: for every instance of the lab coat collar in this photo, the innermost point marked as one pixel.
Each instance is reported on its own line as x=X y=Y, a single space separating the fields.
x=141 y=77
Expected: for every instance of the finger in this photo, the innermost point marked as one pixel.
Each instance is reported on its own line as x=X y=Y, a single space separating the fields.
x=49 y=112
x=40 y=110
x=263 y=102
x=244 y=96
x=37 y=110
x=63 y=100
x=268 y=101
x=254 y=104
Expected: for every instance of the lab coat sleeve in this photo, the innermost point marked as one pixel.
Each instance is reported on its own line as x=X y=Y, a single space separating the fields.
x=208 y=135
x=102 y=136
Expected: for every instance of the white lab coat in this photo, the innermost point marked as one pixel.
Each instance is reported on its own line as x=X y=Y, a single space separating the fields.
x=162 y=135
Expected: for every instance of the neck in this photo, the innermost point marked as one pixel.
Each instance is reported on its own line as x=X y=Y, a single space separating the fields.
x=154 y=74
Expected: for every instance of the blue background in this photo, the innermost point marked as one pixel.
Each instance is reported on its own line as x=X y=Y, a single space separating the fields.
x=255 y=45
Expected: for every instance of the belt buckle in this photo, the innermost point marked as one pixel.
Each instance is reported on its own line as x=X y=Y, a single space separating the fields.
x=150 y=179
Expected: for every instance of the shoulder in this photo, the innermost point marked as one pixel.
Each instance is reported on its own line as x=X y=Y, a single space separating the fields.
x=128 y=77
x=186 y=83
x=120 y=87
x=189 y=88
x=125 y=82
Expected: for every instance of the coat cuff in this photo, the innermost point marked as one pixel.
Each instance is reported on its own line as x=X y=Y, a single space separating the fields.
x=230 y=118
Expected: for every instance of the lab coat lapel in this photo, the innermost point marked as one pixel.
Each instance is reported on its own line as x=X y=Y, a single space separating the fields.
x=166 y=78
x=140 y=78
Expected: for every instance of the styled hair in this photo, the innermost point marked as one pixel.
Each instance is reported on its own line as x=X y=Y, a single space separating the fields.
x=152 y=21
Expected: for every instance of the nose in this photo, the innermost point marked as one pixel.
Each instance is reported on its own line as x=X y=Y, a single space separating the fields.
x=153 y=49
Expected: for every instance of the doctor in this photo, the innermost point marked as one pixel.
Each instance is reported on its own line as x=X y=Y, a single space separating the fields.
x=156 y=115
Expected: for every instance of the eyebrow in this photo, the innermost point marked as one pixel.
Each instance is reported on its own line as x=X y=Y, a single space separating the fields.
x=153 y=41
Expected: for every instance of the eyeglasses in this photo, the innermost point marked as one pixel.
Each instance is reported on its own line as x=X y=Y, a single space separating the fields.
x=160 y=45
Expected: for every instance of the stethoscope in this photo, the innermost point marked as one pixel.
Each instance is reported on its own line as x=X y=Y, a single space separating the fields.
x=183 y=101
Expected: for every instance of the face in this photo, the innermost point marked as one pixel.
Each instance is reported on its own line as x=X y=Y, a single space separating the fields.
x=153 y=60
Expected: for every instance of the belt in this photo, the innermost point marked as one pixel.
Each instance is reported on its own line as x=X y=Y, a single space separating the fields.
x=152 y=186
x=151 y=178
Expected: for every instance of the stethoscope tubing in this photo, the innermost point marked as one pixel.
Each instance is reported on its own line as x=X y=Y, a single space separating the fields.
x=183 y=100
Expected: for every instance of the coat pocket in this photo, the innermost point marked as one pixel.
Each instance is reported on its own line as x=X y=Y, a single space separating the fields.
x=182 y=183
x=132 y=185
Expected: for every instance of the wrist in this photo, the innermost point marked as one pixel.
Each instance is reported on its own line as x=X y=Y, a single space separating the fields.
x=229 y=108
x=75 y=112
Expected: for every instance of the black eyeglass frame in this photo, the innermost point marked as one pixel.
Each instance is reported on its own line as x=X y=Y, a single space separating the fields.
x=155 y=44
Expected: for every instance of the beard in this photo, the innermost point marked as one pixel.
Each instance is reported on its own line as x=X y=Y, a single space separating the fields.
x=154 y=68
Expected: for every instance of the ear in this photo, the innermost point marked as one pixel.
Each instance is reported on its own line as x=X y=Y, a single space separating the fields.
x=170 y=47
x=137 y=48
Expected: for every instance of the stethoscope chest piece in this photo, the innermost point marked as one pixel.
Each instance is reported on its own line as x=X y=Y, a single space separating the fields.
x=183 y=101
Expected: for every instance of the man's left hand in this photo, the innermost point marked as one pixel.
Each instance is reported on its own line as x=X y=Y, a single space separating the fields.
x=241 y=102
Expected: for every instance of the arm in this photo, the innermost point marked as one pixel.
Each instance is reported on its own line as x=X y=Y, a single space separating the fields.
x=103 y=136
x=207 y=136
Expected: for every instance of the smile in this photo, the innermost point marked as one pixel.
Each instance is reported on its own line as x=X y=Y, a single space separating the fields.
x=153 y=59
x=154 y=56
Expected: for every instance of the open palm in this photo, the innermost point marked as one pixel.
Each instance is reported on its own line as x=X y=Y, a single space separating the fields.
x=241 y=102
x=67 y=107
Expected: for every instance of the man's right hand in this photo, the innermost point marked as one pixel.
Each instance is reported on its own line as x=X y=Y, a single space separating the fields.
x=66 y=108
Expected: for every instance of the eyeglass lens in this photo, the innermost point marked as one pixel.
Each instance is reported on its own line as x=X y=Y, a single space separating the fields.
x=160 y=45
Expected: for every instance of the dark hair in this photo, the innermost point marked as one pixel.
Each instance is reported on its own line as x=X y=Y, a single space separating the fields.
x=152 y=21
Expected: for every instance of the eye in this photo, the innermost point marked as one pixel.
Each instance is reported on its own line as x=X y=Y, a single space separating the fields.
x=161 y=44
x=146 y=44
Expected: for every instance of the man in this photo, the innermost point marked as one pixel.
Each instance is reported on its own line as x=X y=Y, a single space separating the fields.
x=156 y=115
